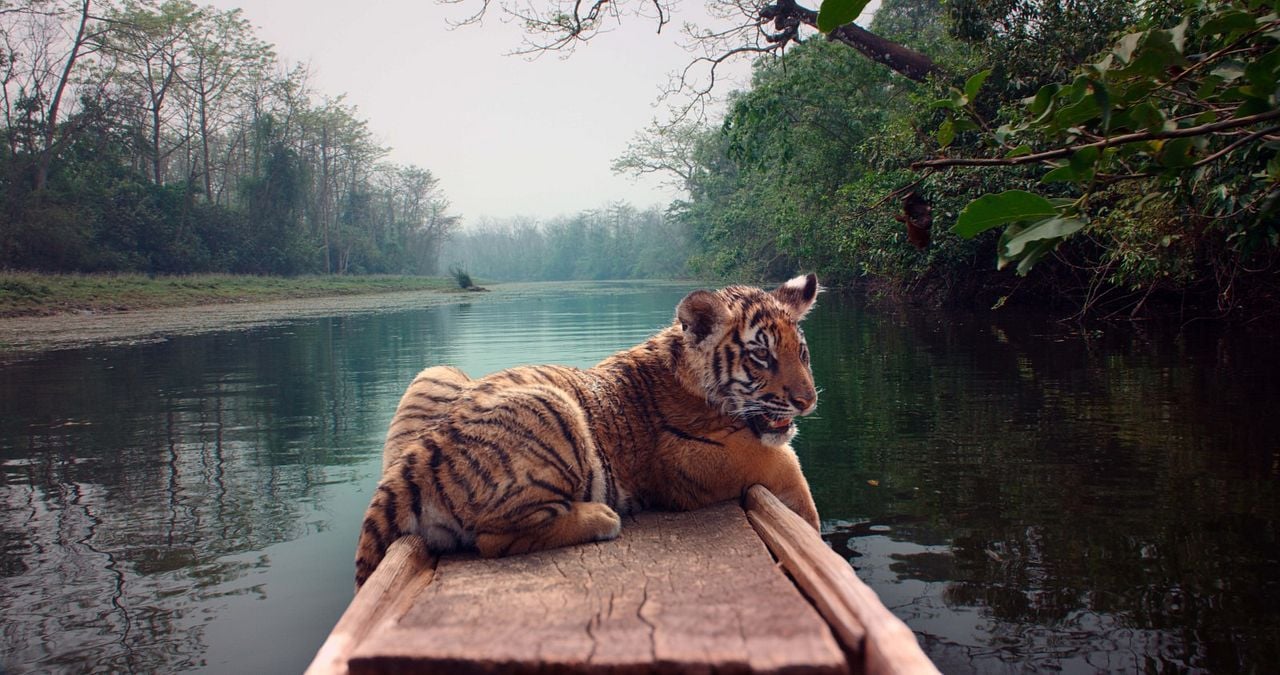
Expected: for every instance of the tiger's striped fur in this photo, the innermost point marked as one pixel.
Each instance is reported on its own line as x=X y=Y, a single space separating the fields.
x=539 y=457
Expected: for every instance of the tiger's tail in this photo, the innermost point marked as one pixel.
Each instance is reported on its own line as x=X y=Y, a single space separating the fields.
x=377 y=532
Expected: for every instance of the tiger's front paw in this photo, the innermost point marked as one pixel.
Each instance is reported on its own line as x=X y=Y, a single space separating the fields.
x=602 y=522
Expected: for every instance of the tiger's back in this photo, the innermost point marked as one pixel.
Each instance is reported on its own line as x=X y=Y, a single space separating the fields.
x=544 y=456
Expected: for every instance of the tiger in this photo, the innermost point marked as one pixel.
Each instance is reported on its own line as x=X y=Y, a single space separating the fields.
x=540 y=457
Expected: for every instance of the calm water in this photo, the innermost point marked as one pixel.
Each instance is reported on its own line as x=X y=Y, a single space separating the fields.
x=1023 y=499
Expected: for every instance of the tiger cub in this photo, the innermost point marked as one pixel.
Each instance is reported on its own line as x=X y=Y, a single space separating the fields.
x=539 y=457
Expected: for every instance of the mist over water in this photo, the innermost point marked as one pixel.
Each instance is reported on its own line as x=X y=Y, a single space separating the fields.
x=1021 y=497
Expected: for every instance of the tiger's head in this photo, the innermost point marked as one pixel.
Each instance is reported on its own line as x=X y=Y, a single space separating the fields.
x=746 y=354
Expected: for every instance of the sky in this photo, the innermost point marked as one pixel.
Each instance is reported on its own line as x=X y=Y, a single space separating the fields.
x=506 y=135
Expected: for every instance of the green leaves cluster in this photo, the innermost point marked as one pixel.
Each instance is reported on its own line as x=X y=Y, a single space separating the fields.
x=1189 y=104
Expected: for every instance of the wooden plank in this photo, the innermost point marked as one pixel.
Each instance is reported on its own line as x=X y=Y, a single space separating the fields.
x=404 y=572
x=861 y=622
x=677 y=592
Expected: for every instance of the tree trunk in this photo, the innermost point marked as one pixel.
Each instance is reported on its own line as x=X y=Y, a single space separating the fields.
x=204 y=149
x=51 y=124
x=156 y=172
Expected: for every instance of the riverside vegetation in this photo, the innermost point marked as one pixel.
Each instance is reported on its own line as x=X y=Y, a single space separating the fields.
x=1118 y=158
x=26 y=294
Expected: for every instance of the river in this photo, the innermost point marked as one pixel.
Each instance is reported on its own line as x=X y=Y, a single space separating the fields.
x=1025 y=497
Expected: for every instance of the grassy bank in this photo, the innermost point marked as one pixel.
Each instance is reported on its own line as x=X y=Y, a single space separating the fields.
x=27 y=294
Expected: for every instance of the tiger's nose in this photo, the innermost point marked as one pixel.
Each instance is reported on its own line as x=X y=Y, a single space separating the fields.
x=804 y=401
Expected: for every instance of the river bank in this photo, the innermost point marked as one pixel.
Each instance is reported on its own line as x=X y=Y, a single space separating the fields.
x=59 y=311
x=70 y=330
x=33 y=294
x=67 y=330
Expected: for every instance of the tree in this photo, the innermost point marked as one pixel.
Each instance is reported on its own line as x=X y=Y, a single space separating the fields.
x=225 y=57
x=1186 y=106
x=149 y=41
x=51 y=38
x=663 y=149
x=164 y=137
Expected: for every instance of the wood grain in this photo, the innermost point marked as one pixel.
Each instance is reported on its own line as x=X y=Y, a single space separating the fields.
x=861 y=622
x=400 y=578
x=677 y=592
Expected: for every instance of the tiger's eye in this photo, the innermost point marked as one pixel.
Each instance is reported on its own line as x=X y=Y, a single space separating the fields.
x=760 y=354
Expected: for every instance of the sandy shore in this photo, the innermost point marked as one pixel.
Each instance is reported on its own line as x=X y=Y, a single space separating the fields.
x=64 y=331
x=24 y=335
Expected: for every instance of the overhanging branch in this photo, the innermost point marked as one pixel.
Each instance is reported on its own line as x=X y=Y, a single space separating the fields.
x=1059 y=153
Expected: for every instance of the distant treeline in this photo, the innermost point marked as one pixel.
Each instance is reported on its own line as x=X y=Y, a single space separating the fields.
x=613 y=242
x=168 y=138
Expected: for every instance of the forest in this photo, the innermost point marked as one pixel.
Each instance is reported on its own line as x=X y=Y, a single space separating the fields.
x=167 y=138
x=1109 y=157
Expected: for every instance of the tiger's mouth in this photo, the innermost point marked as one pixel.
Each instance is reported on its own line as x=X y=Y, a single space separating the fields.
x=762 y=424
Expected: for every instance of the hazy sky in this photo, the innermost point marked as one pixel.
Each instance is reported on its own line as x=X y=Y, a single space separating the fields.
x=504 y=134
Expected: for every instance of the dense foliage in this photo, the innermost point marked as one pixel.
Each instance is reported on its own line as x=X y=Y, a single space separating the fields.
x=1174 y=129
x=165 y=137
x=613 y=242
x=1147 y=130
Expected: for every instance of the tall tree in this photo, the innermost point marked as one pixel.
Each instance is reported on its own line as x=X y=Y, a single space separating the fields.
x=225 y=56
x=50 y=39
x=149 y=40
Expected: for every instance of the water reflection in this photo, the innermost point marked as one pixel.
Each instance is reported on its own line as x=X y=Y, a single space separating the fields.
x=1039 y=501
x=1050 y=502
x=192 y=504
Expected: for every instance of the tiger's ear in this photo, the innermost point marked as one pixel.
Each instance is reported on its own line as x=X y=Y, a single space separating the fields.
x=701 y=313
x=798 y=294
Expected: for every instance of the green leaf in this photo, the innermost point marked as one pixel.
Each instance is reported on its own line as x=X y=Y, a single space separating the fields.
x=1176 y=153
x=1155 y=53
x=1083 y=111
x=974 y=83
x=1147 y=116
x=1083 y=159
x=1039 y=104
x=1103 y=98
x=1229 y=21
x=1019 y=151
x=1035 y=252
x=990 y=211
x=946 y=132
x=836 y=13
x=1049 y=228
x=1078 y=169
x=1062 y=174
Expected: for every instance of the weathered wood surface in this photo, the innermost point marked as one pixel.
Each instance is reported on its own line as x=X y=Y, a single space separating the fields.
x=677 y=592
x=404 y=573
x=861 y=622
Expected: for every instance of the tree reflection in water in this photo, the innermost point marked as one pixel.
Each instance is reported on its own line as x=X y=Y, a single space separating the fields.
x=1052 y=502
